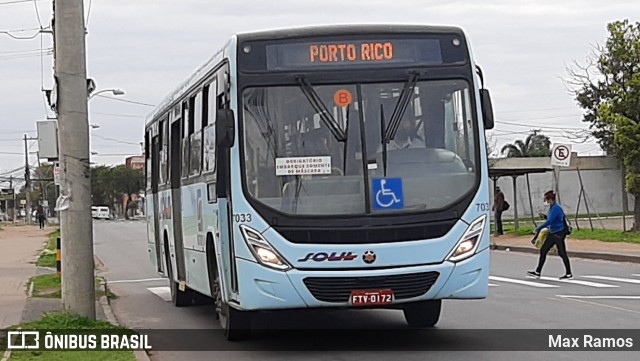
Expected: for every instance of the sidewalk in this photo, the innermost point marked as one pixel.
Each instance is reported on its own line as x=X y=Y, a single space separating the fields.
x=579 y=248
x=19 y=249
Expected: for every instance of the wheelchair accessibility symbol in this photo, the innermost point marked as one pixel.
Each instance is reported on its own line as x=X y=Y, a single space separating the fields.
x=387 y=193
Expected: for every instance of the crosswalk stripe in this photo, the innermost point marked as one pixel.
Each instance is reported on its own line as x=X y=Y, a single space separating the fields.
x=522 y=282
x=577 y=282
x=602 y=297
x=617 y=279
x=163 y=292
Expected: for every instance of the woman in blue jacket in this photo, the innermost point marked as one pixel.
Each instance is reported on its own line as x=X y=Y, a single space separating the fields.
x=558 y=232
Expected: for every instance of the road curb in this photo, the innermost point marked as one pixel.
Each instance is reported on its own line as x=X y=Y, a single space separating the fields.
x=587 y=255
x=111 y=317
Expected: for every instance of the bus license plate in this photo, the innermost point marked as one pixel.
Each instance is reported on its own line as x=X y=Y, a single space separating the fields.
x=371 y=297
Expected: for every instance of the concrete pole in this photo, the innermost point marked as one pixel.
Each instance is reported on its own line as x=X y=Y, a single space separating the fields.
x=27 y=180
x=515 y=204
x=78 y=284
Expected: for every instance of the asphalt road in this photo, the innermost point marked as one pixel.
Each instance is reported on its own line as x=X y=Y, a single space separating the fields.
x=602 y=295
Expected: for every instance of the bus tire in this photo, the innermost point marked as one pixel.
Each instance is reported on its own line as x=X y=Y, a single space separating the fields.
x=423 y=314
x=178 y=298
x=236 y=323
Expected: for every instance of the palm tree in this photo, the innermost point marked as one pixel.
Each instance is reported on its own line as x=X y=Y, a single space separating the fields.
x=535 y=145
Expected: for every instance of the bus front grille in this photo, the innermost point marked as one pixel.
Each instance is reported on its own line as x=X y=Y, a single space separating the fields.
x=338 y=289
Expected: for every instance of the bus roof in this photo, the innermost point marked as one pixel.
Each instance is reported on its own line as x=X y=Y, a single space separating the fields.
x=328 y=30
x=288 y=33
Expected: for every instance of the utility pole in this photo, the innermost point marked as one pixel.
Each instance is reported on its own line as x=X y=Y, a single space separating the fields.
x=27 y=179
x=13 y=215
x=78 y=284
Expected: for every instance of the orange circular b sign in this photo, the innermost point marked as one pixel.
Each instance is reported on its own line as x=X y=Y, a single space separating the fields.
x=343 y=97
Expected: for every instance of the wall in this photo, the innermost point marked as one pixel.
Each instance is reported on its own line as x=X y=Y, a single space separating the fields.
x=601 y=178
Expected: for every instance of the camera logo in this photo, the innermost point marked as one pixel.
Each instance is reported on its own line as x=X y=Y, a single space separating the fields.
x=23 y=340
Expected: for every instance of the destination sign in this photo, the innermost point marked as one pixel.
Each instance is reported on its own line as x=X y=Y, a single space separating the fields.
x=358 y=53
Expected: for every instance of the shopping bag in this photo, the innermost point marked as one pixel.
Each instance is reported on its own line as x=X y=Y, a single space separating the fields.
x=542 y=237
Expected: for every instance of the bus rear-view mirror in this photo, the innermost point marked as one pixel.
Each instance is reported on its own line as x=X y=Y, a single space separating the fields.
x=487 y=109
x=225 y=128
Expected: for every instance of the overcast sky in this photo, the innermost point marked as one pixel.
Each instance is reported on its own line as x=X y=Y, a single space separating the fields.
x=146 y=47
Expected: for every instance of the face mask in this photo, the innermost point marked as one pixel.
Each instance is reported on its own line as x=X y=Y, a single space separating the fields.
x=546 y=203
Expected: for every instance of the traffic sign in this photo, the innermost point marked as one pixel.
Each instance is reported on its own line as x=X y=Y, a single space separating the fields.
x=561 y=155
x=387 y=193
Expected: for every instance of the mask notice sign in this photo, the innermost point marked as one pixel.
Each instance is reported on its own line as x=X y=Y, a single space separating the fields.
x=303 y=165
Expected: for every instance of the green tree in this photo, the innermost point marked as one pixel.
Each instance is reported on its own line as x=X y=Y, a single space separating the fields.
x=110 y=184
x=608 y=89
x=535 y=145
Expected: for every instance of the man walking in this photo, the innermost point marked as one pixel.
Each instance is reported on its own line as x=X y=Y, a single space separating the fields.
x=498 y=208
x=557 y=224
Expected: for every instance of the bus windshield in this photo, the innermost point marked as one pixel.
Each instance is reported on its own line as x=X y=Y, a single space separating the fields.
x=323 y=149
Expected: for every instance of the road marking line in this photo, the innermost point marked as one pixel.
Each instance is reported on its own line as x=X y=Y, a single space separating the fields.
x=492 y=285
x=627 y=280
x=136 y=281
x=636 y=274
x=521 y=282
x=602 y=297
x=583 y=283
x=163 y=292
x=594 y=304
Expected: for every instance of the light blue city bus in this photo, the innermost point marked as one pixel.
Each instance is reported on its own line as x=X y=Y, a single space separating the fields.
x=324 y=167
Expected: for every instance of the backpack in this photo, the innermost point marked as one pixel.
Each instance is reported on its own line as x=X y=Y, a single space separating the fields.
x=505 y=206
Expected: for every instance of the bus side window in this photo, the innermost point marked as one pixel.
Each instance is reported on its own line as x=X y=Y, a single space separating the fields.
x=209 y=132
x=195 y=161
x=147 y=154
x=186 y=131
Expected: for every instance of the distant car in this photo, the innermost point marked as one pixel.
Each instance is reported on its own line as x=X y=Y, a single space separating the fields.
x=100 y=212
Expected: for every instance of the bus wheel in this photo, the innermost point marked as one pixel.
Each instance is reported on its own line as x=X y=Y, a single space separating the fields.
x=423 y=314
x=178 y=298
x=236 y=324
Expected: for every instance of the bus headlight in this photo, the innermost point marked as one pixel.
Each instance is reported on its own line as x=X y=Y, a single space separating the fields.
x=262 y=250
x=468 y=244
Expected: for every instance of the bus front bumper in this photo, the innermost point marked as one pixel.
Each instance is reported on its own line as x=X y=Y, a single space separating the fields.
x=262 y=288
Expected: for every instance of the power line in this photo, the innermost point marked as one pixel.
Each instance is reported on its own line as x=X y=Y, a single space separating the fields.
x=16 y=2
x=543 y=118
x=120 y=115
x=30 y=37
x=534 y=110
x=113 y=140
x=88 y=15
x=125 y=100
x=18 y=132
x=537 y=126
x=35 y=4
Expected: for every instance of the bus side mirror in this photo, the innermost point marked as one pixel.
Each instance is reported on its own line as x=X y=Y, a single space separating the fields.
x=225 y=128
x=487 y=109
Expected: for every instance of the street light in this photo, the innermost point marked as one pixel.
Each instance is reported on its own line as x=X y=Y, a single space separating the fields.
x=114 y=91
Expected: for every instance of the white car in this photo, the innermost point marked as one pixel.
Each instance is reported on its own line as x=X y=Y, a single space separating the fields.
x=100 y=212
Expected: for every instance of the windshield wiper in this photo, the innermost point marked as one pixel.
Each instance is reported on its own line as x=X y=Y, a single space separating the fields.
x=321 y=109
x=405 y=97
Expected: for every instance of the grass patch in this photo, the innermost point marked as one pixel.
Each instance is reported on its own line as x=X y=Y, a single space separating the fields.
x=48 y=256
x=603 y=235
x=49 y=286
x=64 y=321
x=606 y=235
